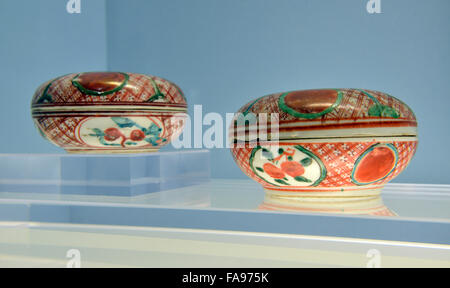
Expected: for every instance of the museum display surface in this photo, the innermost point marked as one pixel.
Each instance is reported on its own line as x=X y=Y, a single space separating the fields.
x=219 y=224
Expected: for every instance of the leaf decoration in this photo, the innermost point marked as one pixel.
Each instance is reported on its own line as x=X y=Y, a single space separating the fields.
x=389 y=112
x=267 y=154
x=280 y=151
x=302 y=179
x=375 y=111
x=306 y=162
x=152 y=130
x=46 y=98
x=158 y=94
x=260 y=169
x=152 y=140
x=98 y=132
x=281 y=182
x=123 y=122
x=379 y=110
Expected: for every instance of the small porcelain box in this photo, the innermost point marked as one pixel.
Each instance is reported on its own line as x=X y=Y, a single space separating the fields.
x=329 y=143
x=109 y=112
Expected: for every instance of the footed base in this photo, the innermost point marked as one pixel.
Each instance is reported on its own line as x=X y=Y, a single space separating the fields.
x=364 y=191
x=362 y=201
x=378 y=210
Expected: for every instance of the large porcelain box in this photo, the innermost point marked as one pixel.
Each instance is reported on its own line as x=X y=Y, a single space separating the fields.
x=330 y=144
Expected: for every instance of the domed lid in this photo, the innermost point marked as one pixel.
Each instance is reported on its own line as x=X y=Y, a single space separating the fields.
x=110 y=88
x=325 y=113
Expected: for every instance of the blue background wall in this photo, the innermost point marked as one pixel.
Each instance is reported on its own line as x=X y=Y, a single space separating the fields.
x=225 y=53
x=39 y=40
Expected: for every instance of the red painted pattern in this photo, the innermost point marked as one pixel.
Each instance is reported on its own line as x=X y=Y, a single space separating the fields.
x=375 y=165
x=139 y=89
x=338 y=158
x=354 y=105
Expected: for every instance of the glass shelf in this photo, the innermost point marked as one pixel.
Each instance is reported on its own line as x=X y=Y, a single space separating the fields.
x=221 y=215
x=213 y=204
x=102 y=175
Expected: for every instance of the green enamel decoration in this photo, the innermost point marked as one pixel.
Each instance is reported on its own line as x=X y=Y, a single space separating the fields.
x=383 y=111
x=252 y=157
x=306 y=162
x=158 y=93
x=123 y=122
x=267 y=154
x=380 y=110
x=302 y=179
x=391 y=146
x=373 y=98
x=45 y=97
x=404 y=104
x=389 y=112
x=375 y=110
x=293 y=112
x=98 y=93
x=281 y=182
x=323 y=170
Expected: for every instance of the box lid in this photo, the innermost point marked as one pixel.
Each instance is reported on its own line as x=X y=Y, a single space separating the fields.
x=104 y=89
x=324 y=113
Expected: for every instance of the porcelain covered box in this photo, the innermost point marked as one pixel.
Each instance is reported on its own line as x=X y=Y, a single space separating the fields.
x=109 y=112
x=330 y=143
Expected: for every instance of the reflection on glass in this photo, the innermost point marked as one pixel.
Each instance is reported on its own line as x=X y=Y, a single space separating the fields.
x=371 y=205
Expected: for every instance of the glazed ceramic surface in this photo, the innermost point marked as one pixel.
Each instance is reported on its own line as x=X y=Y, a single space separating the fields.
x=332 y=143
x=109 y=112
x=342 y=205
